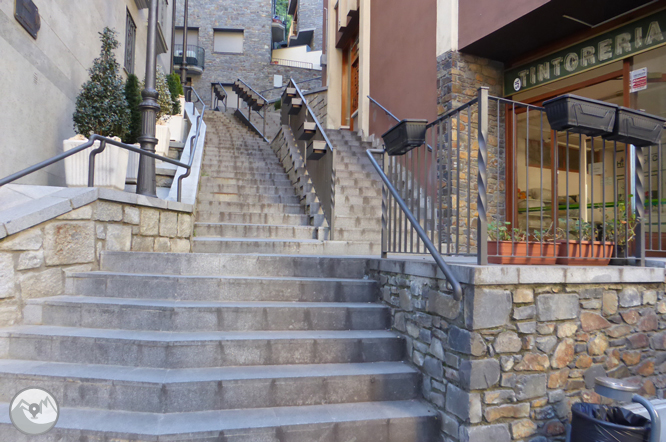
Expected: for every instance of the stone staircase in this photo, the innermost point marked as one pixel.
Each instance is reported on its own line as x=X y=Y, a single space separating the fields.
x=217 y=347
x=247 y=203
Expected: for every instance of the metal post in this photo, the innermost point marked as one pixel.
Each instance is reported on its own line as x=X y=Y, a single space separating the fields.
x=173 y=34
x=482 y=179
x=640 y=207
x=146 y=180
x=183 y=64
x=264 y=132
x=385 y=210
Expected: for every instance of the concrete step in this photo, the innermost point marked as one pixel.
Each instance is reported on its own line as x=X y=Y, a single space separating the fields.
x=362 y=210
x=248 y=198
x=207 y=264
x=354 y=167
x=216 y=207
x=346 y=234
x=183 y=316
x=247 y=189
x=358 y=191
x=246 y=175
x=244 y=181
x=238 y=154
x=220 y=288
x=355 y=174
x=357 y=222
x=395 y=421
x=257 y=168
x=281 y=246
x=358 y=182
x=253 y=218
x=358 y=200
x=155 y=390
x=198 y=349
x=226 y=230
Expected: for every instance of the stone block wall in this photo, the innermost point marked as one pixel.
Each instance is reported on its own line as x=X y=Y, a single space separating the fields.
x=317 y=100
x=310 y=16
x=33 y=262
x=459 y=76
x=508 y=360
x=254 y=64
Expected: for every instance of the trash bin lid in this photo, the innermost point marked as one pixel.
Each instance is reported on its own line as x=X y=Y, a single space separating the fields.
x=616 y=384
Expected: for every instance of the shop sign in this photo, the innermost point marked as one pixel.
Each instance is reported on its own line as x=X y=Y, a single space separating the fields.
x=638 y=80
x=619 y=43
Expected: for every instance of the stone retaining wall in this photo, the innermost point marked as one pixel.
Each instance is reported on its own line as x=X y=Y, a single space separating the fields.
x=33 y=262
x=508 y=361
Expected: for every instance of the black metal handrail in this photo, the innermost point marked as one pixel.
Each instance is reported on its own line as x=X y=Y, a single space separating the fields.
x=194 y=140
x=313 y=115
x=198 y=60
x=455 y=285
x=219 y=94
x=261 y=97
x=279 y=97
x=390 y=114
x=293 y=63
x=103 y=142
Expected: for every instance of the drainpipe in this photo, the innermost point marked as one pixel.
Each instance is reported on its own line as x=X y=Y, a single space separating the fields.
x=183 y=65
x=146 y=180
x=173 y=32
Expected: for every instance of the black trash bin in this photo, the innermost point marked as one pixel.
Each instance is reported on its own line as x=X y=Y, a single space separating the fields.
x=601 y=423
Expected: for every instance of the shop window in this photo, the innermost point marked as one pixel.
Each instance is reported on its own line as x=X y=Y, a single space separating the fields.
x=130 y=43
x=228 y=41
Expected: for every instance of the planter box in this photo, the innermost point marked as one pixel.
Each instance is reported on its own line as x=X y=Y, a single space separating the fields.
x=307 y=131
x=637 y=128
x=315 y=150
x=176 y=124
x=405 y=136
x=499 y=252
x=581 y=254
x=580 y=115
x=110 y=165
x=132 y=166
x=163 y=138
x=295 y=106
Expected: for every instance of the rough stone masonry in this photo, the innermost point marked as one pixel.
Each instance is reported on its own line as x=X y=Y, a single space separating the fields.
x=508 y=360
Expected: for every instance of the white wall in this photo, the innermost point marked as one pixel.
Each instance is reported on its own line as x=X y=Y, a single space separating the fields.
x=447 y=26
x=299 y=53
x=42 y=77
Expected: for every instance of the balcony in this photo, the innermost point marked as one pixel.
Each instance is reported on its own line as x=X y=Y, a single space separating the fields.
x=196 y=58
x=278 y=29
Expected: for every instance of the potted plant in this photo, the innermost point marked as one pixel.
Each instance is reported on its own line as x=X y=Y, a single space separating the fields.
x=101 y=108
x=177 y=107
x=580 y=115
x=580 y=249
x=405 y=136
x=514 y=246
x=626 y=232
x=162 y=132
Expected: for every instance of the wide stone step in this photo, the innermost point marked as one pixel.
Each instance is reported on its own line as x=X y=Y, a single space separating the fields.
x=248 y=198
x=284 y=246
x=343 y=173
x=206 y=264
x=226 y=230
x=228 y=167
x=242 y=162
x=394 y=421
x=354 y=167
x=204 y=207
x=156 y=390
x=358 y=182
x=241 y=154
x=198 y=349
x=358 y=200
x=357 y=222
x=253 y=218
x=346 y=234
x=183 y=316
x=247 y=175
x=362 y=210
x=247 y=189
x=221 y=288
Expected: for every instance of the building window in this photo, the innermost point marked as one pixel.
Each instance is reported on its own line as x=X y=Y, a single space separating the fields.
x=228 y=41
x=130 y=43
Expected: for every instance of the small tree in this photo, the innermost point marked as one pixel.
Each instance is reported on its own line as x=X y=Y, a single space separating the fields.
x=101 y=107
x=133 y=97
x=176 y=90
x=164 y=98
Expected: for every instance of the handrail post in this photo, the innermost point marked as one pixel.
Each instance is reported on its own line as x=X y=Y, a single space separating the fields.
x=146 y=184
x=482 y=179
x=640 y=206
x=183 y=63
x=384 y=210
x=264 y=131
x=91 y=162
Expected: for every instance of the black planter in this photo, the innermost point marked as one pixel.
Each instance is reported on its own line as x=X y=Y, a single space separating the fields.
x=405 y=136
x=580 y=115
x=315 y=150
x=637 y=128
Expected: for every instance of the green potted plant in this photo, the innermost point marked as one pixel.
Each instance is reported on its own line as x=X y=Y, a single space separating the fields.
x=133 y=97
x=515 y=246
x=101 y=108
x=626 y=232
x=176 y=125
x=162 y=132
x=578 y=248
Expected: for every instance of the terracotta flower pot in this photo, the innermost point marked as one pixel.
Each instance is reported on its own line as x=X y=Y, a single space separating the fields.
x=500 y=253
x=580 y=254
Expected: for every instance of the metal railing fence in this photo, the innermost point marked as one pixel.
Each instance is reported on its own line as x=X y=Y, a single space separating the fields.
x=196 y=56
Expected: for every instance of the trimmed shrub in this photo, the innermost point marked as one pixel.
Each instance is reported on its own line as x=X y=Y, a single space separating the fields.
x=133 y=97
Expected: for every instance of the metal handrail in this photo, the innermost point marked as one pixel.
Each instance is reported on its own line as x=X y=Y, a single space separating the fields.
x=225 y=97
x=388 y=112
x=313 y=115
x=275 y=100
x=255 y=92
x=453 y=111
x=103 y=141
x=455 y=285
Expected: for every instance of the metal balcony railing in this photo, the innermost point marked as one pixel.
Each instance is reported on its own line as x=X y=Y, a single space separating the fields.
x=196 y=56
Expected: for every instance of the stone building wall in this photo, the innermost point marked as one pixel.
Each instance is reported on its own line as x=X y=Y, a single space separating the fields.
x=254 y=64
x=310 y=16
x=508 y=361
x=33 y=262
x=459 y=76
x=317 y=100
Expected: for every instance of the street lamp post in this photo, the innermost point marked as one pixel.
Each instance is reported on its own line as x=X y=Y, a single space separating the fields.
x=183 y=64
x=146 y=180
